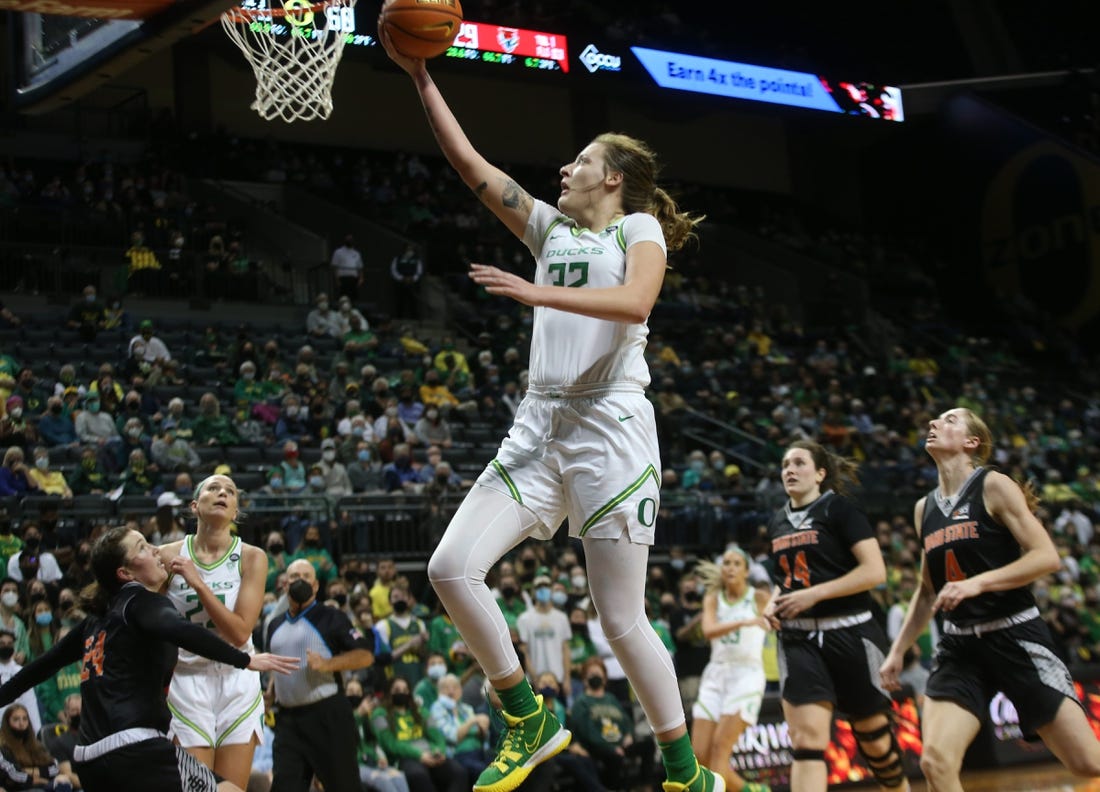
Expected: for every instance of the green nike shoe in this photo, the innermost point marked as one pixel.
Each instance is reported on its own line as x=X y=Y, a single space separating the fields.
x=529 y=742
x=703 y=781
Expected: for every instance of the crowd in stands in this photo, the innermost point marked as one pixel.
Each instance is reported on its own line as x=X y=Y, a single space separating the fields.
x=316 y=418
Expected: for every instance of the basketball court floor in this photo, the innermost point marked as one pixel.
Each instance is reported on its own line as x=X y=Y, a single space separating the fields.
x=1029 y=778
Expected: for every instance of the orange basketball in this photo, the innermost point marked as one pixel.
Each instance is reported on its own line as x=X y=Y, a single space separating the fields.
x=422 y=28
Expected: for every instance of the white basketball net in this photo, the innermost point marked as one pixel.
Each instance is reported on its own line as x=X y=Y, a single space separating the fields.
x=293 y=52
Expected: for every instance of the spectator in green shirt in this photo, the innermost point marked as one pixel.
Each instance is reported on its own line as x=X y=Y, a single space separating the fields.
x=211 y=427
x=10 y=544
x=249 y=391
x=511 y=601
x=139 y=477
x=415 y=746
x=601 y=725
x=444 y=639
x=374 y=768
x=91 y=477
x=313 y=549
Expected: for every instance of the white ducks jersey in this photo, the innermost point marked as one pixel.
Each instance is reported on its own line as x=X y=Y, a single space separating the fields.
x=579 y=353
x=223 y=577
x=744 y=647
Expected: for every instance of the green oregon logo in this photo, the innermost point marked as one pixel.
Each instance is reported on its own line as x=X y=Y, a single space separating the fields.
x=1025 y=237
x=647 y=514
x=299 y=13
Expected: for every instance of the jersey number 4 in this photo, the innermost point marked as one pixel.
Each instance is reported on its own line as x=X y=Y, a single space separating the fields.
x=93 y=656
x=801 y=571
x=951 y=569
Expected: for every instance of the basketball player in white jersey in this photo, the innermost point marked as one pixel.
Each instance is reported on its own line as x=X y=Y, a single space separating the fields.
x=217 y=581
x=731 y=688
x=584 y=442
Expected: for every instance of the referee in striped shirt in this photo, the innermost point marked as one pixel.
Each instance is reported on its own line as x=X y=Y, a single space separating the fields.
x=314 y=726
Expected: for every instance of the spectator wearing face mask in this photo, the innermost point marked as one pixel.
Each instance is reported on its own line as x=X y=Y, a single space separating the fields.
x=365 y=470
x=433 y=429
x=96 y=428
x=147 y=349
x=42 y=565
x=544 y=633
x=313 y=550
x=87 y=315
x=575 y=761
x=511 y=600
x=277 y=558
x=295 y=475
x=9 y=668
x=55 y=428
x=465 y=731
x=11 y=606
x=402 y=474
x=140 y=477
x=15 y=428
x=323 y=321
x=412 y=744
x=170 y=452
x=26 y=764
x=134 y=438
x=336 y=478
x=42 y=632
x=315 y=481
x=375 y=772
x=90 y=477
x=427 y=689
x=292 y=424
x=48 y=480
x=274 y=486
x=605 y=729
x=407 y=637
x=692 y=649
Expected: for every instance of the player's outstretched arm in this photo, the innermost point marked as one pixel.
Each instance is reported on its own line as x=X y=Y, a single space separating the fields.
x=493 y=187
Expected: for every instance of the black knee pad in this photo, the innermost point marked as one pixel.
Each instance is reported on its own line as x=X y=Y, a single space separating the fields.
x=886 y=768
x=808 y=755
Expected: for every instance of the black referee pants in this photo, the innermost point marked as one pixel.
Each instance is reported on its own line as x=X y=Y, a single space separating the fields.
x=316 y=739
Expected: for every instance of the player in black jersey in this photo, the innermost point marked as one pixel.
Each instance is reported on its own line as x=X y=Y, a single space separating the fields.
x=982 y=548
x=129 y=643
x=824 y=559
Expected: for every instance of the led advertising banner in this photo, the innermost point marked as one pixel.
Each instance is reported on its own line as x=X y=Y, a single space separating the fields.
x=531 y=49
x=763 y=751
x=745 y=81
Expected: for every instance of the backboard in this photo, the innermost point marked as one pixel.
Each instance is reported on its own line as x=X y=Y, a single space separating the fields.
x=62 y=49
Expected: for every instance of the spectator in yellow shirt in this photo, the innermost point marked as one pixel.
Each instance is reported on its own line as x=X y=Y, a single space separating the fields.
x=380 y=591
x=49 y=481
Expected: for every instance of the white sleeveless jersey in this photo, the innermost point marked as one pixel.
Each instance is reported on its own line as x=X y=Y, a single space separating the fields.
x=570 y=351
x=223 y=577
x=744 y=647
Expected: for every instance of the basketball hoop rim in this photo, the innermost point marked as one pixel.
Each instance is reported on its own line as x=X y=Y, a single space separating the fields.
x=239 y=16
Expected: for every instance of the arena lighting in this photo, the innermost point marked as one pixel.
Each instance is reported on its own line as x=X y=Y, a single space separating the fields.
x=684 y=72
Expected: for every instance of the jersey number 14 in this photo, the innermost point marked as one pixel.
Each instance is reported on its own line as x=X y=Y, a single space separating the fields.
x=801 y=571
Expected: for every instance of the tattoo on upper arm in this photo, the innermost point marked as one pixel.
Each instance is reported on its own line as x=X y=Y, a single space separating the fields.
x=514 y=196
x=479 y=191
